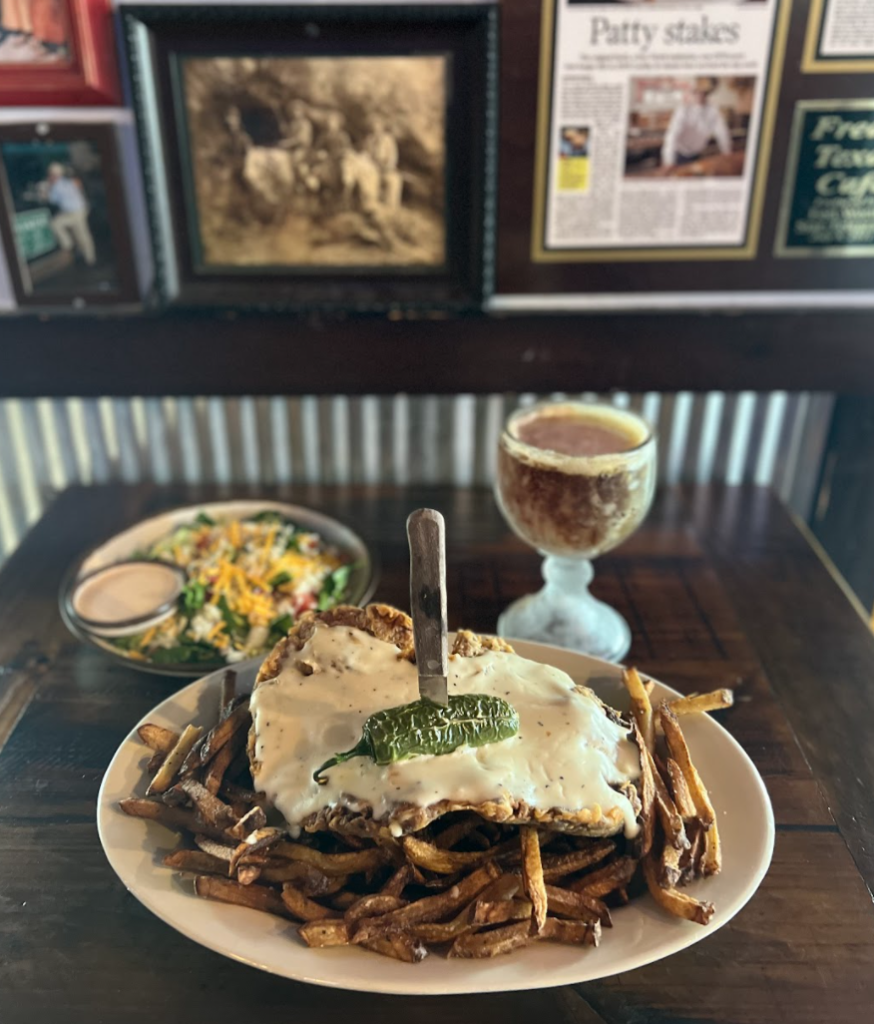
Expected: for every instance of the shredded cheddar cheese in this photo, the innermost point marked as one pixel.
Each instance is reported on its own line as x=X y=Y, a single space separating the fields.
x=245 y=577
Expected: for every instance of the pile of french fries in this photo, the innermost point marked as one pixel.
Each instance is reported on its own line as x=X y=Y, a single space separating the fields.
x=464 y=885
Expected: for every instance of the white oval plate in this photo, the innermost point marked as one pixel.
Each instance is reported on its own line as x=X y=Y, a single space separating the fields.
x=641 y=931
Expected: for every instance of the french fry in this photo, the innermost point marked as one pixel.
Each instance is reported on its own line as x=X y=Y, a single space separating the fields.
x=566 y=903
x=320 y=934
x=228 y=692
x=711 y=862
x=214 y=812
x=220 y=734
x=447 y=931
x=255 y=842
x=250 y=822
x=342 y=900
x=679 y=751
x=479 y=945
x=691 y=864
x=502 y=911
x=399 y=880
x=196 y=861
x=556 y=866
x=504 y=887
x=219 y=765
x=248 y=873
x=715 y=701
x=678 y=903
x=303 y=907
x=332 y=863
x=155 y=762
x=167 y=772
x=432 y=908
x=457 y=830
x=575 y=933
x=682 y=796
x=257 y=897
x=532 y=875
x=670 y=868
x=444 y=862
x=605 y=880
x=647 y=793
x=641 y=708
x=669 y=817
x=399 y=947
x=161 y=740
x=191 y=764
x=375 y=905
x=238 y=794
x=178 y=818
x=219 y=848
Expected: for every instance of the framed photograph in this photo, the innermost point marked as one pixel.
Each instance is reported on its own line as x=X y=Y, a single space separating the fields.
x=57 y=53
x=63 y=219
x=327 y=157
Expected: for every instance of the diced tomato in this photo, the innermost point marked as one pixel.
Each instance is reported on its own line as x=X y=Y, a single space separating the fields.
x=304 y=603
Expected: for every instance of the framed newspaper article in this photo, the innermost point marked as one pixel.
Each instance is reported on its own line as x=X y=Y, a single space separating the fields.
x=840 y=37
x=828 y=193
x=655 y=121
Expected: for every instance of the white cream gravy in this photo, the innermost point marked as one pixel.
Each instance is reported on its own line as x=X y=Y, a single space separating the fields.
x=567 y=753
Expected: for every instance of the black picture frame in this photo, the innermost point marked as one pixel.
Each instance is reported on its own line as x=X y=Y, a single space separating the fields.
x=59 y=278
x=159 y=38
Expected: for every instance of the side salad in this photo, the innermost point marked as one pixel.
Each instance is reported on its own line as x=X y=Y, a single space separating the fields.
x=247 y=581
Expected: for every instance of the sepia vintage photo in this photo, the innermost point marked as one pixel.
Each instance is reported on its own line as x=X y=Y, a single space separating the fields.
x=681 y=127
x=60 y=220
x=34 y=32
x=317 y=162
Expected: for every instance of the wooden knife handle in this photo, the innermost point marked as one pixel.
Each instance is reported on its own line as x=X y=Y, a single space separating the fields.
x=426 y=532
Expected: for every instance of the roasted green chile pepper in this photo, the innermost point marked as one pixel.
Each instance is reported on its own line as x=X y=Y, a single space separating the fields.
x=424 y=727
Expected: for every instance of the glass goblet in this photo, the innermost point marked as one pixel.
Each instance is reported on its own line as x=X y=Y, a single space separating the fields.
x=574 y=480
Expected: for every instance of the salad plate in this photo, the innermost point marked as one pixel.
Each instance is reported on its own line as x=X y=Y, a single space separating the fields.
x=251 y=566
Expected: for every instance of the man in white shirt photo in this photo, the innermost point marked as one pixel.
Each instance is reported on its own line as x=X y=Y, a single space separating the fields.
x=692 y=126
x=70 y=224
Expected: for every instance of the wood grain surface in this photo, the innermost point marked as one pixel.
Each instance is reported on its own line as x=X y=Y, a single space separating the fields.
x=720 y=588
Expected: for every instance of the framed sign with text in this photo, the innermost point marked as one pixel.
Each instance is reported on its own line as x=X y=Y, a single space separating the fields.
x=828 y=193
x=840 y=37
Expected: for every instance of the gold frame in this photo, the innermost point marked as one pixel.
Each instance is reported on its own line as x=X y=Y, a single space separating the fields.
x=781 y=250
x=811 y=61
x=747 y=251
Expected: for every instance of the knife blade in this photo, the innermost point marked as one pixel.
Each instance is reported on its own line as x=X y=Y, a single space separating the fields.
x=426 y=533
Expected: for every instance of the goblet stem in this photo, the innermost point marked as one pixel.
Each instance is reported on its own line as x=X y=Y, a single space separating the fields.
x=564 y=613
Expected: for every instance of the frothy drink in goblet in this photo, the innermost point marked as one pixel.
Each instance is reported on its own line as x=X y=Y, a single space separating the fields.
x=575 y=480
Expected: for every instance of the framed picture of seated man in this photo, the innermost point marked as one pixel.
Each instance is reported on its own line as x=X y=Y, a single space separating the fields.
x=331 y=157
x=62 y=216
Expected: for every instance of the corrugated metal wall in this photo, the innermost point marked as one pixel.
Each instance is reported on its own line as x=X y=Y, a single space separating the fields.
x=46 y=444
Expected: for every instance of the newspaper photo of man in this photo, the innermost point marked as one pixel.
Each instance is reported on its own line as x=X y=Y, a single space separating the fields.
x=688 y=127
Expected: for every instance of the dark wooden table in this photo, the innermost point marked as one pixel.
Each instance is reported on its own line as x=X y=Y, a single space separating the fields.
x=721 y=588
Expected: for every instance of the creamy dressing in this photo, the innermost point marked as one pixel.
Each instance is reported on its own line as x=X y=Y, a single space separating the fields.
x=127 y=591
x=567 y=754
